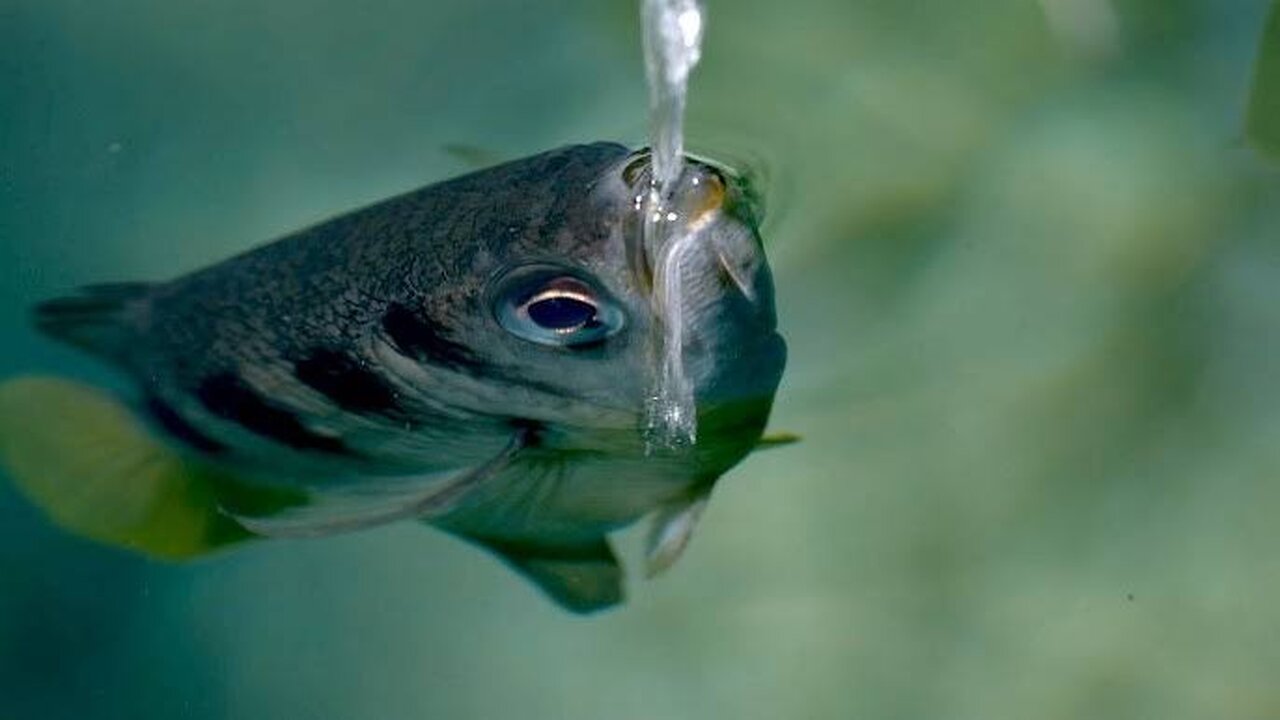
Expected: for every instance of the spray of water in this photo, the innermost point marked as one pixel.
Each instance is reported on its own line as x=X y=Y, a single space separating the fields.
x=672 y=34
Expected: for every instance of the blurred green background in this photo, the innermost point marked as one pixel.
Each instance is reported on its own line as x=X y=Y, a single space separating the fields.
x=1029 y=271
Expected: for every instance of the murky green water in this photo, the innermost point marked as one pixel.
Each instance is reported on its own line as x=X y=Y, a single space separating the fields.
x=1028 y=271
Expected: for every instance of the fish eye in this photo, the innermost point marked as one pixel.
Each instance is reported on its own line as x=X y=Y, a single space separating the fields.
x=558 y=310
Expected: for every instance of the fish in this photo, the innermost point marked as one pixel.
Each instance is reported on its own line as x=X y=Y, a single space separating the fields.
x=476 y=355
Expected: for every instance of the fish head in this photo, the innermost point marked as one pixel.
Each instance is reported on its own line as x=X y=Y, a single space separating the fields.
x=565 y=307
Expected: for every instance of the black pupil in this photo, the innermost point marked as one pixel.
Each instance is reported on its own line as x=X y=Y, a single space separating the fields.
x=561 y=313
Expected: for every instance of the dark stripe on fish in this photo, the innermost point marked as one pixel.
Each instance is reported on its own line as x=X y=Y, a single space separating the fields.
x=530 y=430
x=415 y=337
x=346 y=381
x=229 y=397
x=172 y=423
x=419 y=339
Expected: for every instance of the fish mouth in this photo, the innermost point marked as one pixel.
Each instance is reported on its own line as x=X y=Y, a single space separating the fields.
x=700 y=196
x=698 y=261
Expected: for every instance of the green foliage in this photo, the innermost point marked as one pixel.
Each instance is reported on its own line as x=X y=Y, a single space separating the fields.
x=1264 y=107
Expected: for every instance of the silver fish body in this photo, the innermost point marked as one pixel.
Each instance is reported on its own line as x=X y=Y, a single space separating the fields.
x=477 y=354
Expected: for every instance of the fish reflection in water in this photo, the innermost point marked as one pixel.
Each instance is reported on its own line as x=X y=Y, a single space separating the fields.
x=477 y=354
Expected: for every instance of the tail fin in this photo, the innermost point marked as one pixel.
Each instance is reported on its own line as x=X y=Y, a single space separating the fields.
x=95 y=320
x=90 y=464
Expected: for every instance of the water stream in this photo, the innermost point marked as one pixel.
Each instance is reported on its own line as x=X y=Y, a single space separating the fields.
x=672 y=37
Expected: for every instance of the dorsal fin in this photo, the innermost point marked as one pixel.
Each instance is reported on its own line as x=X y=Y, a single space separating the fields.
x=95 y=319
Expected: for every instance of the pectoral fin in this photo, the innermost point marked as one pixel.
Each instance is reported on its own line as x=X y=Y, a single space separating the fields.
x=582 y=578
x=670 y=531
x=776 y=440
x=97 y=472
